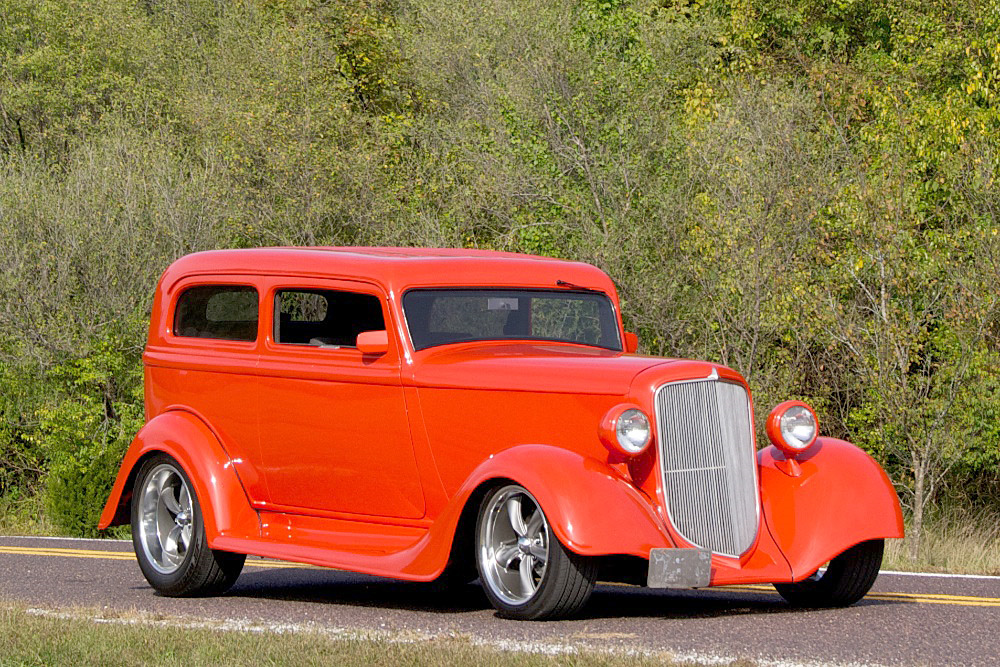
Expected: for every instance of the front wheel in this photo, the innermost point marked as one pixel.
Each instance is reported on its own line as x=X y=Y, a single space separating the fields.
x=169 y=535
x=526 y=572
x=845 y=581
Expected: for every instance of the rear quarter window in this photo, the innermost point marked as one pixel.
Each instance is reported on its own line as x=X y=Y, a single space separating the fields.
x=222 y=312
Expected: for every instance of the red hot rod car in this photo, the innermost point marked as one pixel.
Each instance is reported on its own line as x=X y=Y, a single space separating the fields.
x=426 y=414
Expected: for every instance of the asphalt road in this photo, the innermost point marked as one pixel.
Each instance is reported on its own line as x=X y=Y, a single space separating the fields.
x=911 y=620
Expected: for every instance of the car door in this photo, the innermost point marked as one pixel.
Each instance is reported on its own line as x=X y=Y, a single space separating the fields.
x=203 y=360
x=334 y=434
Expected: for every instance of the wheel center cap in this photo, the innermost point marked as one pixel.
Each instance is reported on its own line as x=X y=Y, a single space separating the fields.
x=182 y=518
x=523 y=544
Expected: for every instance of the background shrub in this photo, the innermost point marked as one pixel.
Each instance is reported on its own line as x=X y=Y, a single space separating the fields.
x=805 y=191
x=84 y=433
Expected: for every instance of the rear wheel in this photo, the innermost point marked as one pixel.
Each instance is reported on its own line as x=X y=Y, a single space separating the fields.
x=526 y=572
x=845 y=581
x=168 y=534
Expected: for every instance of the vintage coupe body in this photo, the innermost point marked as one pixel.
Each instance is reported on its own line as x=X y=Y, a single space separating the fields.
x=434 y=414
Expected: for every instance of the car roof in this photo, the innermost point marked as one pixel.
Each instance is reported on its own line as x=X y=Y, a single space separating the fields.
x=396 y=269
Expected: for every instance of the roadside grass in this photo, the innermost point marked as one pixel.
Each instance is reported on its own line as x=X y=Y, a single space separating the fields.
x=956 y=543
x=98 y=637
x=24 y=516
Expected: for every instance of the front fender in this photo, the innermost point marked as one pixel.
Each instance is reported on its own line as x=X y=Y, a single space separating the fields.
x=224 y=505
x=592 y=509
x=839 y=498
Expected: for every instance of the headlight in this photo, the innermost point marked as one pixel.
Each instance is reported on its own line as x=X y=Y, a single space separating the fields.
x=632 y=430
x=626 y=430
x=792 y=427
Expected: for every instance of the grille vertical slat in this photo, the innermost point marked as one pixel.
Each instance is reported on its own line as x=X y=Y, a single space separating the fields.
x=708 y=462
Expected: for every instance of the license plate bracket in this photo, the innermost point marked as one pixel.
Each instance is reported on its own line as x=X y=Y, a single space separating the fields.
x=679 y=568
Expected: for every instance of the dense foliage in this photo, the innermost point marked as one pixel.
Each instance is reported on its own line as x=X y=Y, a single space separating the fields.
x=803 y=190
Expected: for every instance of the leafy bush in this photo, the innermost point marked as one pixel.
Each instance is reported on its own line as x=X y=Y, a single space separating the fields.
x=804 y=190
x=85 y=433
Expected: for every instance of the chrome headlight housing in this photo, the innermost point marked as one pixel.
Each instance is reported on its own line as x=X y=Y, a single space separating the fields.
x=627 y=430
x=792 y=427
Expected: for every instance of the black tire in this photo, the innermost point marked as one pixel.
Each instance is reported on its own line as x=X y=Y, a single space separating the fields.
x=195 y=569
x=566 y=579
x=846 y=580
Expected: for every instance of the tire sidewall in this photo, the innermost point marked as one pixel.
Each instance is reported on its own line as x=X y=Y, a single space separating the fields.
x=539 y=602
x=847 y=578
x=175 y=582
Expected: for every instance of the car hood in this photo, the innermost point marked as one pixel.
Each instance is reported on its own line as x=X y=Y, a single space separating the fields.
x=530 y=367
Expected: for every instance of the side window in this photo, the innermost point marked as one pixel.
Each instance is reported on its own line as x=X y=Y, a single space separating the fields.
x=226 y=312
x=324 y=317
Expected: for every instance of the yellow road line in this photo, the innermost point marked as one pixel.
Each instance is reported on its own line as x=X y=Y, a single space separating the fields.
x=986 y=602
x=105 y=555
x=942 y=596
x=921 y=598
x=756 y=588
x=126 y=555
x=278 y=564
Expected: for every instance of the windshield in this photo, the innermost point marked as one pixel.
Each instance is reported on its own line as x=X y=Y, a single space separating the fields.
x=440 y=316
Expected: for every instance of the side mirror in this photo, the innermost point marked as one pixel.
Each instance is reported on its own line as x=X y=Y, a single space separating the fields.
x=373 y=342
x=631 y=342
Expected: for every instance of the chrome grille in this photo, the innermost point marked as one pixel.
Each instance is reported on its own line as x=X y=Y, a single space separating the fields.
x=708 y=463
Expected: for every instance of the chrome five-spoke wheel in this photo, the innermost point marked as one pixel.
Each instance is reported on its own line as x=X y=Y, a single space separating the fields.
x=165 y=518
x=169 y=534
x=525 y=570
x=515 y=545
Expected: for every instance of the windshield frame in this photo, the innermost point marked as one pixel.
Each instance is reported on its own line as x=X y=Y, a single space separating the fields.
x=619 y=345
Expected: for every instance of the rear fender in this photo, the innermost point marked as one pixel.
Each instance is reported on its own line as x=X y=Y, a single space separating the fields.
x=839 y=498
x=592 y=509
x=188 y=440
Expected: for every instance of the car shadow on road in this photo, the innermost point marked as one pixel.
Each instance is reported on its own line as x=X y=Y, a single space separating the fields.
x=636 y=602
x=608 y=601
x=348 y=588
